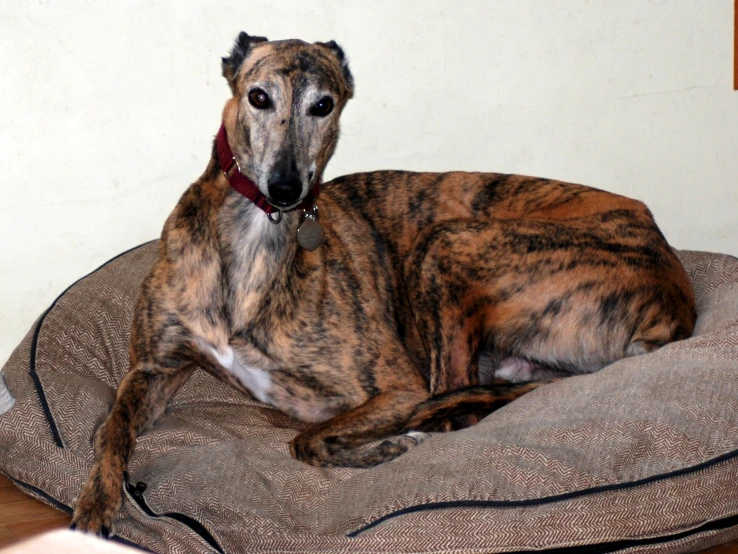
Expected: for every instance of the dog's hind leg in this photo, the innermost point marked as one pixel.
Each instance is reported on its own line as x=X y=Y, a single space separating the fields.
x=433 y=413
x=454 y=274
x=438 y=277
x=142 y=396
x=336 y=441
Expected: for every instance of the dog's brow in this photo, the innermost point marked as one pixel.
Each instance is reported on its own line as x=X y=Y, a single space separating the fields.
x=311 y=93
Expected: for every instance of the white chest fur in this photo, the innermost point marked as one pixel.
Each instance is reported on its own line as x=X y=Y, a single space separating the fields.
x=257 y=381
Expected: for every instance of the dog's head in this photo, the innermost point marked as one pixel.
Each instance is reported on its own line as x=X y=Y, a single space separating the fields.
x=282 y=121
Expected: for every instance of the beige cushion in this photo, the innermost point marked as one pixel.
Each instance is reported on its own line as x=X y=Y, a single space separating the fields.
x=643 y=454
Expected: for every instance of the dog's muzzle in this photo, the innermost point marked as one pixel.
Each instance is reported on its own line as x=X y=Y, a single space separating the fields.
x=284 y=190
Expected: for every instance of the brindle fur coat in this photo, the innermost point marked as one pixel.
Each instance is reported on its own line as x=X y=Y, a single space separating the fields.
x=381 y=330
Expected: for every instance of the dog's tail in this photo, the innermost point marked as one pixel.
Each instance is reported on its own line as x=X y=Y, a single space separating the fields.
x=480 y=400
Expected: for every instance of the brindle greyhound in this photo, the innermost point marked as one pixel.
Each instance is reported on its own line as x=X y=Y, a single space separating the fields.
x=371 y=320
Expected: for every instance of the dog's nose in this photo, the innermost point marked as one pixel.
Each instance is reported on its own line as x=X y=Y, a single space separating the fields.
x=284 y=189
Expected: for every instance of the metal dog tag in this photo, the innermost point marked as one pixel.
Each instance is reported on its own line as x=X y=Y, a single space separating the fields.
x=310 y=233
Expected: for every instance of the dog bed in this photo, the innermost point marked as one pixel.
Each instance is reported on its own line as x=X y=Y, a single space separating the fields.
x=642 y=456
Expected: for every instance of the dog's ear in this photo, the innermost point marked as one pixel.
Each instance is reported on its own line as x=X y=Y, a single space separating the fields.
x=240 y=50
x=343 y=60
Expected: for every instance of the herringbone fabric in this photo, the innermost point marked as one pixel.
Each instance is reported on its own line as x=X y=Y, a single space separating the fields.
x=642 y=455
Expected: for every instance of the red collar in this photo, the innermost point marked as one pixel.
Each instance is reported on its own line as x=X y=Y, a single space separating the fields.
x=242 y=184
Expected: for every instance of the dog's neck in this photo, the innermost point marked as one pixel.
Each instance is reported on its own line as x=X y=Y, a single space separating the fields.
x=258 y=244
x=258 y=255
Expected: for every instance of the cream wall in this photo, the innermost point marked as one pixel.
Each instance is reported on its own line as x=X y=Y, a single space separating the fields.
x=107 y=111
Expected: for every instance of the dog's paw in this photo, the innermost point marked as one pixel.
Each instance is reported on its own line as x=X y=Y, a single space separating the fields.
x=97 y=504
x=306 y=448
x=93 y=518
x=314 y=451
x=92 y=524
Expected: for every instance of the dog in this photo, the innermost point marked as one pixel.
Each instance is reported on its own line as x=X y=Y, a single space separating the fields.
x=410 y=302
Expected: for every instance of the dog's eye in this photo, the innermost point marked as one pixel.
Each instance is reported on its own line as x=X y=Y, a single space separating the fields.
x=259 y=99
x=323 y=107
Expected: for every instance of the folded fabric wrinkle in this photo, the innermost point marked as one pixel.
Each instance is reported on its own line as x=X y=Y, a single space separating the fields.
x=6 y=399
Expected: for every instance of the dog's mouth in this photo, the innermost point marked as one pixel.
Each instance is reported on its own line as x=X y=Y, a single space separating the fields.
x=283 y=206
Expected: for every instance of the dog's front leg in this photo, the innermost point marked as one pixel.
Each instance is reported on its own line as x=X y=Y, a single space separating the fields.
x=141 y=399
x=335 y=442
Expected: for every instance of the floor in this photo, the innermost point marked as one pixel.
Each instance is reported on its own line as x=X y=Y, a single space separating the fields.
x=22 y=516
